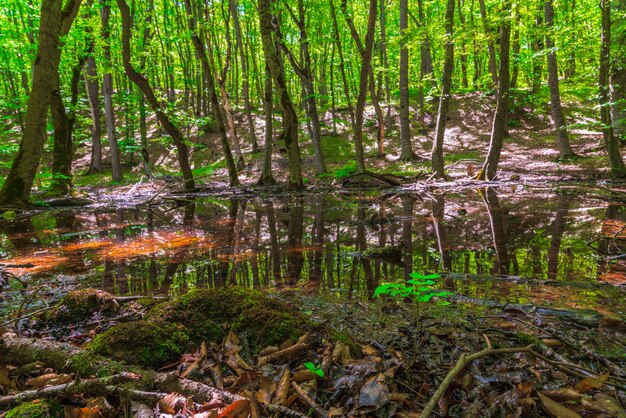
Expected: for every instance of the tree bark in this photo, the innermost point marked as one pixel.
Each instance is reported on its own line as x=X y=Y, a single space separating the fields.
x=107 y=92
x=245 y=83
x=406 y=153
x=290 y=118
x=208 y=76
x=266 y=175
x=366 y=64
x=142 y=83
x=616 y=163
x=618 y=75
x=562 y=138
x=55 y=23
x=490 y=47
x=91 y=86
x=437 y=161
x=498 y=130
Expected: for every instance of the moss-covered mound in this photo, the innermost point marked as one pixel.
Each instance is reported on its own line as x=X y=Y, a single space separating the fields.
x=202 y=315
x=37 y=409
x=80 y=305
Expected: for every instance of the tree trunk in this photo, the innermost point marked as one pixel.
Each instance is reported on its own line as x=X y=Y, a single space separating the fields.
x=498 y=129
x=290 y=118
x=342 y=67
x=107 y=92
x=537 y=47
x=55 y=23
x=91 y=86
x=366 y=64
x=245 y=83
x=406 y=153
x=558 y=228
x=616 y=163
x=490 y=47
x=208 y=76
x=562 y=138
x=266 y=175
x=63 y=123
x=444 y=101
x=618 y=75
x=142 y=83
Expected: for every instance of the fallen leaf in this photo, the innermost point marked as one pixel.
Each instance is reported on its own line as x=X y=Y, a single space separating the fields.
x=563 y=394
x=374 y=392
x=266 y=390
x=555 y=409
x=173 y=403
x=590 y=383
x=239 y=409
x=282 y=390
x=605 y=403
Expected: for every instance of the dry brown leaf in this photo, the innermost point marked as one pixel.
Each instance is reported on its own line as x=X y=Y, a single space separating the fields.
x=285 y=355
x=266 y=390
x=341 y=353
x=303 y=375
x=239 y=409
x=205 y=414
x=61 y=379
x=555 y=409
x=87 y=412
x=5 y=379
x=173 y=403
x=201 y=356
x=282 y=390
x=590 y=383
x=563 y=394
x=41 y=381
x=268 y=350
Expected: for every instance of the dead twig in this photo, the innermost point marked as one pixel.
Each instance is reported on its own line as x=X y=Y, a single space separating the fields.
x=463 y=361
x=306 y=398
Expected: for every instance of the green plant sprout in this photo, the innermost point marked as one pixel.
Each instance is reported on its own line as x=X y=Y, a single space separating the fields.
x=419 y=288
x=314 y=369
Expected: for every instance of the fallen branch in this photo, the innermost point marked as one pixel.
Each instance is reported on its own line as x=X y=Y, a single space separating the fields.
x=463 y=361
x=98 y=385
x=283 y=411
x=306 y=398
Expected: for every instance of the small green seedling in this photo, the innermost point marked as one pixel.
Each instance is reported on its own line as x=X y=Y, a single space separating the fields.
x=314 y=369
x=419 y=288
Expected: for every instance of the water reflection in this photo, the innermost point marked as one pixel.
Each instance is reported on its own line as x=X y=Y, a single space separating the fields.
x=344 y=244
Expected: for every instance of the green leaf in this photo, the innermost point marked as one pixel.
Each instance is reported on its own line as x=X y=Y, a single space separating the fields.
x=314 y=369
x=416 y=275
x=420 y=282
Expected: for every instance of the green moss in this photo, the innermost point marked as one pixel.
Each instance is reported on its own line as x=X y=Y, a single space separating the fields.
x=80 y=305
x=147 y=343
x=39 y=409
x=201 y=315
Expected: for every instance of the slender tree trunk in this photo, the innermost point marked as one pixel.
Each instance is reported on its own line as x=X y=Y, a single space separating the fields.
x=444 y=101
x=290 y=118
x=497 y=222
x=490 y=47
x=498 y=130
x=208 y=76
x=91 y=86
x=562 y=138
x=142 y=83
x=406 y=153
x=63 y=123
x=366 y=64
x=616 y=163
x=537 y=47
x=464 y=80
x=618 y=74
x=107 y=92
x=408 y=202
x=55 y=23
x=342 y=67
x=245 y=82
x=267 y=177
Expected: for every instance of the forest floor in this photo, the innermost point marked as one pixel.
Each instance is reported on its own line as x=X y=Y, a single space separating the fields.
x=385 y=357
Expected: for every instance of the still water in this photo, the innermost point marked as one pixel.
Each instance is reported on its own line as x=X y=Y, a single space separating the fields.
x=548 y=247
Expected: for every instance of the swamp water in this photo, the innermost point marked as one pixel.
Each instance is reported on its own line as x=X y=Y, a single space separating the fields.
x=560 y=250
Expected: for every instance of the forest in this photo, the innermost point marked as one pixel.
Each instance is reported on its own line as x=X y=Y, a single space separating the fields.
x=329 y=208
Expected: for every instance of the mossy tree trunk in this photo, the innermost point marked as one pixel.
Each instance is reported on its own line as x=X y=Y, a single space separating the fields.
x=55 y=23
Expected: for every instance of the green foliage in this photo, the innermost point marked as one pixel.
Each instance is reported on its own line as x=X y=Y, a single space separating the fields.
x=314 y=369
x=345 y=170
x=419 y=288
x=40 y=409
